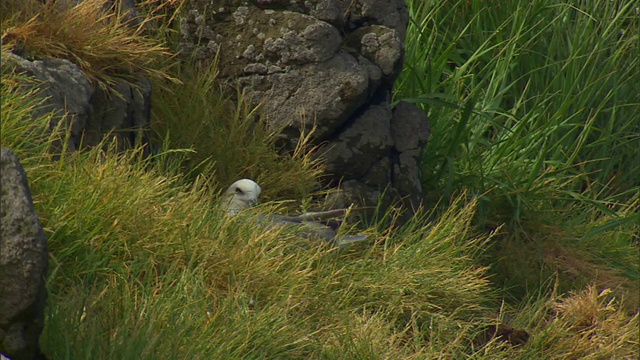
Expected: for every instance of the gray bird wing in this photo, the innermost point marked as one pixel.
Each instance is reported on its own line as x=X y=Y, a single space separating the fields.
x=344 y=241
x=321 y=215
x=312 y=230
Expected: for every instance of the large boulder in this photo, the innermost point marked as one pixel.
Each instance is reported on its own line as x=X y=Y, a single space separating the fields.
x=23 y=264
x=88 y=112
x=328 y=64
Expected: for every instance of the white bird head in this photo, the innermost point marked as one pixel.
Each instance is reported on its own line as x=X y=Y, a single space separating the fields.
x=242 y=194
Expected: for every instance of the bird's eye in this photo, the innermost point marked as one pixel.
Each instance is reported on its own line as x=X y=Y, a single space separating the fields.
x=239 y=191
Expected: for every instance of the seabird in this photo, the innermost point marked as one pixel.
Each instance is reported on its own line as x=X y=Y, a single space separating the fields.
x=244 y=193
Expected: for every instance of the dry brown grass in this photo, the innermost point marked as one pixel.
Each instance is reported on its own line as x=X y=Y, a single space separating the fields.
x=100 y=39
x=591 y=325
x=577 y=266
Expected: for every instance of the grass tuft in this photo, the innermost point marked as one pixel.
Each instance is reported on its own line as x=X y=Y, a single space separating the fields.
x=590 y=325
x=527 y=100
x=138 y=258
x=95 y=35
x=227 y=139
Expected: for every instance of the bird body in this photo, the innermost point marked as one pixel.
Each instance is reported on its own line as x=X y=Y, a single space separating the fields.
x=244 y=193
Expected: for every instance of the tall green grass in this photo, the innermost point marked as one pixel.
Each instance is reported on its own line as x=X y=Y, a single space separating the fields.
x=527 y=99
x=534 y=107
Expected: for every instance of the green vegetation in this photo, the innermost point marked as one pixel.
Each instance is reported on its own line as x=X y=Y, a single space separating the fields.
x=532 y=162
x=534 y=108
x=226 y=142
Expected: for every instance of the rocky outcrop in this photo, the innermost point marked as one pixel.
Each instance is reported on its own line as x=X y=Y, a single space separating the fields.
x=87 y=112
x=23 y=264
x=324 y=63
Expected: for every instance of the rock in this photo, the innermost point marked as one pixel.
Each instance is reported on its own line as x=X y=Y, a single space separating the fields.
x=328 y=64
x=364 y=142
x=125 y=116
x=411 y=127
x=390 y=13
x=23 y=264
x=64 y=89
x=89 y=113
x=410 y=131
x=381 y=45
x=325 y=94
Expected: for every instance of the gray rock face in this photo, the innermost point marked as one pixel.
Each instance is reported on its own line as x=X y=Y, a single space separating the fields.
x=23 y=264
x=361 y=145
x=297 y=98
x=127 y=115
x=328 y=63
x=410 y=130
x=89 y=113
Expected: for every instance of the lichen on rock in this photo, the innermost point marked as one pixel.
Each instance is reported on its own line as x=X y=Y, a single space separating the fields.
x=323 y=64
